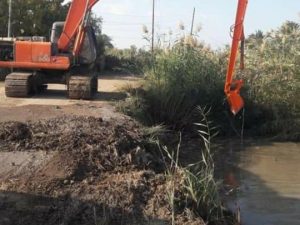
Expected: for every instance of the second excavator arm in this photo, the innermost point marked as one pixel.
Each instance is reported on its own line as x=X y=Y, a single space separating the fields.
x=232 y=87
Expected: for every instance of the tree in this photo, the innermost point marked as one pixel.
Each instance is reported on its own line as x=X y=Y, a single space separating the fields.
x=289 y=27
x=96 y=23
x=255 y=39
x=32 y=17
x=3 y=17
x=35 y=17
x=104 y=42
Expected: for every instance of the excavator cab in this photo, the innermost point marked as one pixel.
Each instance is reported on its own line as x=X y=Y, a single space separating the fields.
x=56 y=31
x=87 y=54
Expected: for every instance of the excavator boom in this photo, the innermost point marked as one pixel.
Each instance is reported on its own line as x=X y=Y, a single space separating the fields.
x=77 y=12
x=232 y=87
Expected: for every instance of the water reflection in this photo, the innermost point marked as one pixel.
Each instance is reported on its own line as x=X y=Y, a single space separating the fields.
x=264 y=181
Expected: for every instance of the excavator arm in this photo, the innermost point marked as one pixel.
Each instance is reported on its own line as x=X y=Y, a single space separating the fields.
x=232 y=87
x=74 y=25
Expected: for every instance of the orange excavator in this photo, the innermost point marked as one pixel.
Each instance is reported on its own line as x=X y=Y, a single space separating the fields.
x=68 y=58
x=71 y=52
x=232 y=87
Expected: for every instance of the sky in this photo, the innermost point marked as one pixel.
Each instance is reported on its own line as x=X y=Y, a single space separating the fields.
x=123 y=20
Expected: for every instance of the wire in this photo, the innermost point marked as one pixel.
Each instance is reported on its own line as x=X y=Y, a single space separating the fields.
x=119 y=14
x=122 y=22
x=141 y=16
x=133 y=24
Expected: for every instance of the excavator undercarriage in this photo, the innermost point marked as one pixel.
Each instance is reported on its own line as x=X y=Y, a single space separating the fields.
x=81 y=87
x=25 y=84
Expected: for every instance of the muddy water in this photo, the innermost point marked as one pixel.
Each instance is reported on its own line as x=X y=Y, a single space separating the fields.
x=263 y=180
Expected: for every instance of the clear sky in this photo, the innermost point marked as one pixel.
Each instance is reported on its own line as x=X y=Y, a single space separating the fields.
x=123 y=20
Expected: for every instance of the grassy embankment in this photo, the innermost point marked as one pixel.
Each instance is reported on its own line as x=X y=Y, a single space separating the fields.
x=188 y=73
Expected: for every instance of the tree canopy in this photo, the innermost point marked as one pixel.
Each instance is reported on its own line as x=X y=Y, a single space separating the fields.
x=32 y=17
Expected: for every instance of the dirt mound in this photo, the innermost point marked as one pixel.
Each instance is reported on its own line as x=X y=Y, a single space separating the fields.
x=103 y=145
x=14 y=131
x=99 y=172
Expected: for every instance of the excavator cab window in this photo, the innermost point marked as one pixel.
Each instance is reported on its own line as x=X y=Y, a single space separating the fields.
x=6 y=49
x=56 y=31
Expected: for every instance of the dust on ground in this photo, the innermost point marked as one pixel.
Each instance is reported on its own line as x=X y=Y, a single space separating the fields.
x=53 y=102
x=79 y=162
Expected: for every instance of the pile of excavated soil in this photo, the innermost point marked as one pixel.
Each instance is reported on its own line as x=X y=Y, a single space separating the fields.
x=82 y=171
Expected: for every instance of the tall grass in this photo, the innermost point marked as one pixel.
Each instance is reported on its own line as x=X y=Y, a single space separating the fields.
x=180 y=78
x=195 y=184
x=273 y=80
x=200 y=183
x=188 y=73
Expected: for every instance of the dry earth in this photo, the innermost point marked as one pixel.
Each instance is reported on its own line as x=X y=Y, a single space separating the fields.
x=78 y=162
x=53 y=102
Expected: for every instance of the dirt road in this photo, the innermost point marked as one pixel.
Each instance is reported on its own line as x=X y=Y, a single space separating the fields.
x=53 y=102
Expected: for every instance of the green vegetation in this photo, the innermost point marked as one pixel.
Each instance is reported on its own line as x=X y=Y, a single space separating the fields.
x=273 y=80
x=188 y=74
x=131 y=60
x=193 y=188
x=200 y=184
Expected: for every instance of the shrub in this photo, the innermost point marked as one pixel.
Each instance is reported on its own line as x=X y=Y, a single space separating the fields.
x=181 y=78
x=129 y=60
x=189 y=74
x=273 y=80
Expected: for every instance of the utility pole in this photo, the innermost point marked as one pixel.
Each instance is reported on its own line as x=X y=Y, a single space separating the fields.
x=153 y=22
x=9 y=19
x=193 y=19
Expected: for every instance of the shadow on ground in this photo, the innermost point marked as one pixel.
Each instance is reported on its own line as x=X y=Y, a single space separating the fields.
x=62 y=94
x=27 y=209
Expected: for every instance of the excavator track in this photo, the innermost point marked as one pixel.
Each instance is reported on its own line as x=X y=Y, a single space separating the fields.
x=18 y=84
x=82 y=87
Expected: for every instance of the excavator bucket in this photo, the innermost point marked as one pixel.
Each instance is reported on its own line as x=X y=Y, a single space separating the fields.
x=234 y=99
x=232 y=87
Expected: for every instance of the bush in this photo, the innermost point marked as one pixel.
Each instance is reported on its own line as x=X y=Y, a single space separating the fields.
x=181 y=78
x=189 y=74
x=273 y=80
x=129 y=60
x=194 y=188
